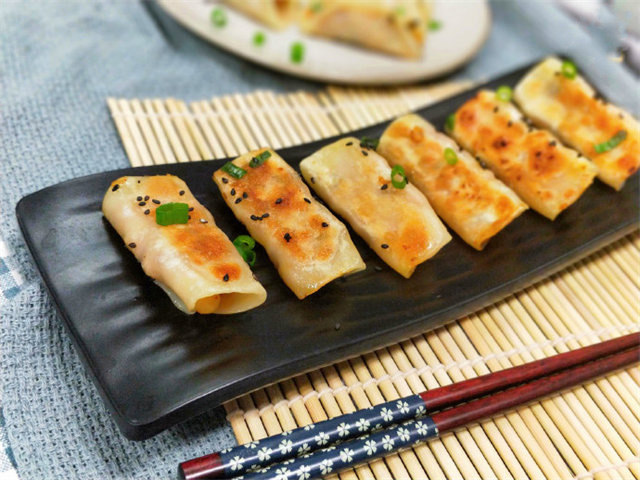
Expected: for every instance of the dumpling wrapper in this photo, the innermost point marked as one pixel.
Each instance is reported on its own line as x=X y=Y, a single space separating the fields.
x=307 y=244
x=548 y=176
x=398 y=224
x=467 y=197
x=571 y=109
x=189 y=261
x=276 y=14
x=397 y=27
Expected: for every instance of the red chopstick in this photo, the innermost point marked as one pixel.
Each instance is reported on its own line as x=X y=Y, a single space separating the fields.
x=344 y=427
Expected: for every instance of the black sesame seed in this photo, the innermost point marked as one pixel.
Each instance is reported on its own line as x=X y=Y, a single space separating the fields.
x=364 y=153
x=115 y=187
x=509 y=123
x=191 y=209
x=495 y=109
x=132 y=245
x=287 y=237
x=325 y=224
x=146 y=198
x=538 y=153
x=202 y=220
x=278 y=201
x=307 y=200
x=238 y=200
x=348 y=144
x=139 y=199
x=138 y=181
x=245 y=195
x=377 y=268
x=255 y=217
x=384 y=187
x=313 y=180
x=142 y=204
x=226 y=277
x=384 y=245
x=189 y=217
x=233 y=192
x=181 y=192
x=147 y=211
x=265 y=215
x=157 y=202
x=553 y=143
x=225 y=180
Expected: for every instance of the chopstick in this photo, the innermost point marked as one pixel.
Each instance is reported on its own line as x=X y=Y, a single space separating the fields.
x=281 y=447
x=380 y=443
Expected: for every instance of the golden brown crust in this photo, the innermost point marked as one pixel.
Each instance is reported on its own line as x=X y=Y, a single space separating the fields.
x=307 y=244
x=571 y=108
x=543 y=172
x=469 y=199
x=398 y=224
x=195 y=262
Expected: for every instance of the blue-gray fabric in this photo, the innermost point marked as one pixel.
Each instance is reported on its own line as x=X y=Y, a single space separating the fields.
x=59 y=61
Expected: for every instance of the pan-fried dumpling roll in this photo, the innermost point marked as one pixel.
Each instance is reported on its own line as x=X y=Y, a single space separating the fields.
x=397 y=27
x=276 y=14
x=194 y=262
x=564 y=102
x=397 y=223
x=307 y=244
x=467 y=197
x=548 y=176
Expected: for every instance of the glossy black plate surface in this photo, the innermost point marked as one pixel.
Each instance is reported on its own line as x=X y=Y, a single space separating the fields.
x=156 y=366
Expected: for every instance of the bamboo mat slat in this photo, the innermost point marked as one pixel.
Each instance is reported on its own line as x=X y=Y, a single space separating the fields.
x=590 y=431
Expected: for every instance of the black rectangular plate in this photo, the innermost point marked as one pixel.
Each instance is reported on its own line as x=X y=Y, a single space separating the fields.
x=155 y=366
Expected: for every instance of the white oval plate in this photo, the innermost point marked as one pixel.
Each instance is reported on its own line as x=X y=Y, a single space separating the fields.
x=465 y=26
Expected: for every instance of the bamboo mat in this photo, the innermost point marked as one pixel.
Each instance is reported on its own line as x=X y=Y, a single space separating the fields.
x=592 y=431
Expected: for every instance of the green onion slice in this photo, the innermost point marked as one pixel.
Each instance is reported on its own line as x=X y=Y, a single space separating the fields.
x=316 y=6
x=612 y=143
x=244 y=244
x=450 y=156
x=297 y=52
x=369 y=142
x=434 y=25
x=450 y=122
x=259 y=159
x=569 y=69
x=259 y=38
x=401 y=182
x=233 y=170
x=244 y=241
x=218 y=17
x=172 y=214
x=504 y=93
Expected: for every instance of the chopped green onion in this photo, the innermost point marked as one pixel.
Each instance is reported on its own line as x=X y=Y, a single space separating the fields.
x=172 y=213
x=398 y=171
x=244 y=244
x=259 y=38
x=434 y=25
x=569 y=69
x=450 y=156
x=244 y=241
x=218 y=17
x=259 y=159
x=400 y=10
x=450 y=122
x=233 y=170
x=369 y=142
x=612 y=143
x=316 y=6
x=297 y=52
x=504 y=93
